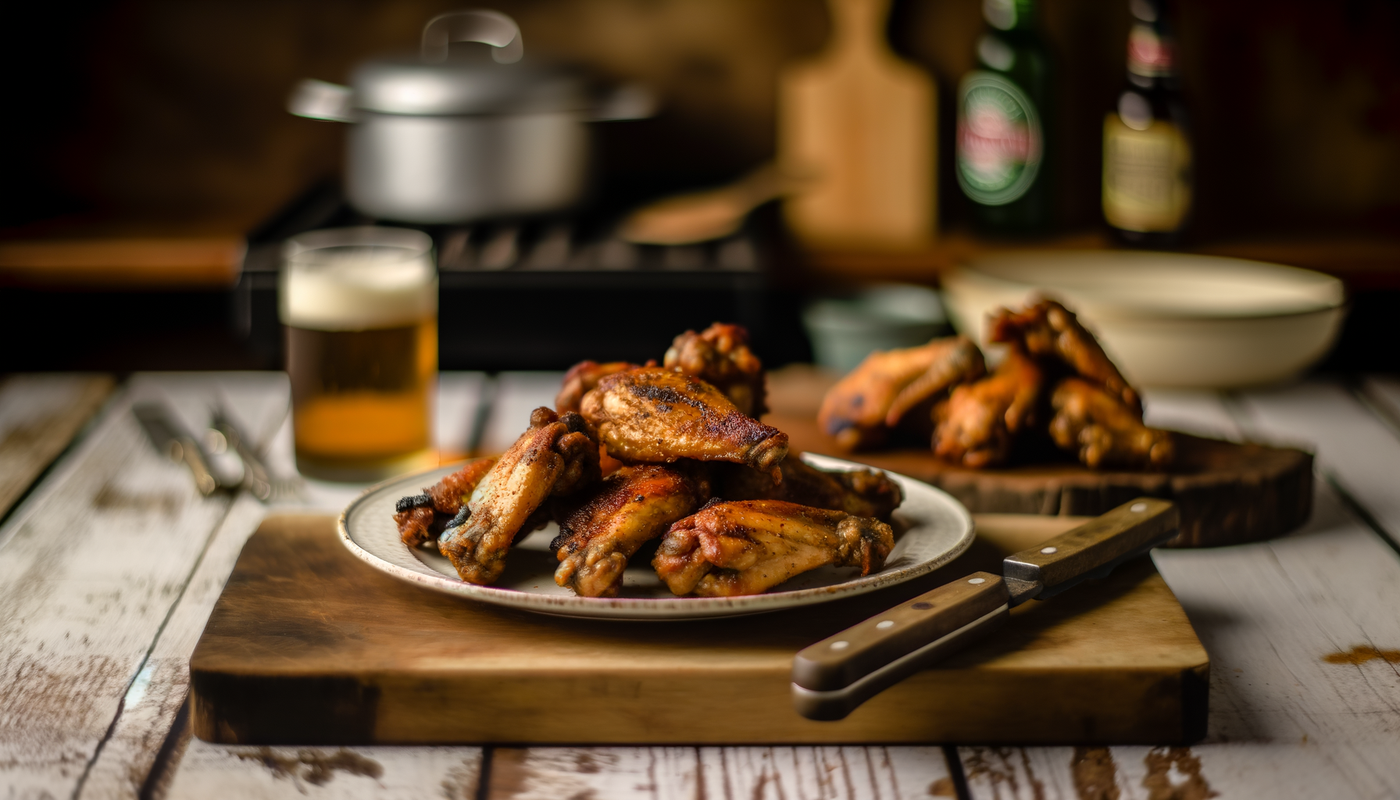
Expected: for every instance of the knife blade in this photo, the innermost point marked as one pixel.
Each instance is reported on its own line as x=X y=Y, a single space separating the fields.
x=170 y=437
x=831 y=678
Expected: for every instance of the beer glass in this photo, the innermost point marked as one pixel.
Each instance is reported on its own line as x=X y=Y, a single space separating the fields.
x=359 y=306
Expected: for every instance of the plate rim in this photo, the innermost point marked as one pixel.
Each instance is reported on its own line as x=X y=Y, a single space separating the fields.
x=665 y=608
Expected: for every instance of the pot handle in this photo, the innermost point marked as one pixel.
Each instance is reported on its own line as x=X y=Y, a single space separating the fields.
x=628 y=101
x=487 y=27
x=321 y=100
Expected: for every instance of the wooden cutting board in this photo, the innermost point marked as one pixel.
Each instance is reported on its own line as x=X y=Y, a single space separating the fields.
x=308 y=645
x=1227 y=493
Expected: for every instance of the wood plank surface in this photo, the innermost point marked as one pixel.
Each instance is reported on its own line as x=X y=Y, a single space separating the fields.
x=274 y=773
x=90 y=568
x=39 y=416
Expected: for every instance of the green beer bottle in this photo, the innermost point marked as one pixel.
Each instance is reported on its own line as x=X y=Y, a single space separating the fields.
x=1003 y=105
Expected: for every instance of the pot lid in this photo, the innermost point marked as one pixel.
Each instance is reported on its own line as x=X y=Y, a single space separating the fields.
x=407 y=85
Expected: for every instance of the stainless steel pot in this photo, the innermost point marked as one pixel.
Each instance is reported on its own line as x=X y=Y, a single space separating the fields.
x=441 y=140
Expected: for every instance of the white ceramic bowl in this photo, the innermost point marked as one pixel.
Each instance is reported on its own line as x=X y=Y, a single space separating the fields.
x=1166 y=319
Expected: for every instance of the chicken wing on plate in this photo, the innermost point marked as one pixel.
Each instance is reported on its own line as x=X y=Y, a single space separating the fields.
x=739 y=548
x=890 y=386
x=656 y=416
x=859 y=492
x=978 y=422
x=1048 y=329
x=556 y=456
x=422 y=517
x=720 y=356
x=600 y=530
x=583 y=376
x=1095 y=424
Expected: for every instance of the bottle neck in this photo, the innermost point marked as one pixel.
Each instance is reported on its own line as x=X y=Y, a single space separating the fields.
x=1151 y=55
x=1009 y=15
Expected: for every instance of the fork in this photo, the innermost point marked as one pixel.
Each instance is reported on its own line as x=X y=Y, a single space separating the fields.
x=256 y=477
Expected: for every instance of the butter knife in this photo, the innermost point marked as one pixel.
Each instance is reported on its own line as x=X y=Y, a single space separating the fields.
x=170 y=437
x=833 y=677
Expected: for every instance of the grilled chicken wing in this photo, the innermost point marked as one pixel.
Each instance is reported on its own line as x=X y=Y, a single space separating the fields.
x=583 y=376
x=422 y=517
x=860 y=410
x=1048 y=329
x=977 y=423
x=556 y=456
x=1104 y=432
x=656 y=416
x=600 y=532
x=860 y=492
x=748 y=547
x=720 y=356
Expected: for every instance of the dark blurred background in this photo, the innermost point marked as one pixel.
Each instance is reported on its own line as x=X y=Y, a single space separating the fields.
x=150 y=116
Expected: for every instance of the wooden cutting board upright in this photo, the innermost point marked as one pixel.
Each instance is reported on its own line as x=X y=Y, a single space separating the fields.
x=856 y=132
x=309 y=645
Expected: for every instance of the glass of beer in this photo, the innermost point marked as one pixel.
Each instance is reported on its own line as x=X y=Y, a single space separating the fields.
x=359 y=306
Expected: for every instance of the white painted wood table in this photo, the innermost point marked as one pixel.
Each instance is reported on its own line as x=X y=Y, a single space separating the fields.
x=110 y=565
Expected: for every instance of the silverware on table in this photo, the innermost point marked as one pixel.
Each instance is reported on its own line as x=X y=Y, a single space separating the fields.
x=834 y=676
x=257 y=478
x=171 y=438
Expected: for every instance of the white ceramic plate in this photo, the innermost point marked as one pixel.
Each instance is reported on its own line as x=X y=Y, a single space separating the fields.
x=931 y=529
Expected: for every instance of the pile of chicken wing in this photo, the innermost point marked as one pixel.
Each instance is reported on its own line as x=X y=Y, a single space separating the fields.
x=1055 y=389
x=633 y=453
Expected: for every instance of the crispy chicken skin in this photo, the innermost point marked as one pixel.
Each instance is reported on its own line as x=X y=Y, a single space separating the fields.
x=720 y=356
x=978 y=422
x=600 y=530
x=1049 y=330
x=860 y=410
x=656 y=416
x=860 y=492
x=556 y=456
x=747 y=547
x=1096 y=425
x=422 y=517
x=583 y=376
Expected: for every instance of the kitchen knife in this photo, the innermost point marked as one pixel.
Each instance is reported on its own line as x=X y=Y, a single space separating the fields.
x=834 y=676
x=170 y=438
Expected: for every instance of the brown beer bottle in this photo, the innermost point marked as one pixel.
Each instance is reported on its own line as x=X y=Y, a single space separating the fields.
x=1147 y=159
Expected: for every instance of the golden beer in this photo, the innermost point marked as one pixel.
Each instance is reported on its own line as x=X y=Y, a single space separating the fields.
x=360 y=310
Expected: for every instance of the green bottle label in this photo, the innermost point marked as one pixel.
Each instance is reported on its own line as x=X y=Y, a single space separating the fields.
x=1000 y=144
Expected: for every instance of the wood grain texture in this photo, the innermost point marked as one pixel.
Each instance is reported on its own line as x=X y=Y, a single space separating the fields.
x=309 y=645
x=39 y=416
x=128 y=263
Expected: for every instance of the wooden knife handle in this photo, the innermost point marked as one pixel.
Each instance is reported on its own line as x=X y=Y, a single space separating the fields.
x=850 y=655
x=1095 y=546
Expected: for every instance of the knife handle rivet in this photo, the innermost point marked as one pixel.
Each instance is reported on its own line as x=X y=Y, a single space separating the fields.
x=922 y=606
x=884 y=623
x=1049 y=550
x=1139 y=507
x=840 y=645
x=977 y=581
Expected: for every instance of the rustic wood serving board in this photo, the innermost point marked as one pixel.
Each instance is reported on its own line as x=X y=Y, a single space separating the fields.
x=1227 y=493
x=309 y=645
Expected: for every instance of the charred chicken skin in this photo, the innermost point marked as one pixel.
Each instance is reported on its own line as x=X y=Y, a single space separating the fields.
x=1096 y=425
x=747 y=547
x=583 y=376
x=422 y=517
x=657 y=416
x=720 y=356
x=860 y=492
x=1049 y=330
x=556 y=456
x=978 y=422
x=600 y=530
x=887 y=387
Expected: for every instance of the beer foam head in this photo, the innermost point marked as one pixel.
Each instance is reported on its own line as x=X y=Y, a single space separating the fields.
x=357 y=281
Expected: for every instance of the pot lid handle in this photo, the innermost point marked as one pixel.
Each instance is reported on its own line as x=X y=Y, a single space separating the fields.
x=480 y=25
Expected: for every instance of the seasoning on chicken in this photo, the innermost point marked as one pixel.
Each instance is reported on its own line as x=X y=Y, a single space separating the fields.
x=1097 y=426
x=720 y=356
x=739 y=548
x=556 y=456
x=600 y=530
x=1049 y=330
x=423 y=517
x=858 y=492
x=656 y=416
x=979 y=421
x=583 y=376
x=890 y=387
